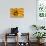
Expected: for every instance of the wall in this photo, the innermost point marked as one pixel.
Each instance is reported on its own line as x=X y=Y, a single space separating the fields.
x=23 y=23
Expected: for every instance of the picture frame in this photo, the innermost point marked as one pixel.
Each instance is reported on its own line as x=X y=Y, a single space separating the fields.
x=16 y=12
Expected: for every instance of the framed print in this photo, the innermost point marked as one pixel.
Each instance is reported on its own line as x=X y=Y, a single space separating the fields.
x=16 y=12
x=41 y=12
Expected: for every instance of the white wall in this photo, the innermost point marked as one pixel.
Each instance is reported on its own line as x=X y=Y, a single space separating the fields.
x=23 y=23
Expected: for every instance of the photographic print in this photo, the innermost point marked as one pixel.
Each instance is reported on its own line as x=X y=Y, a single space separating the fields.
x=16 y=12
